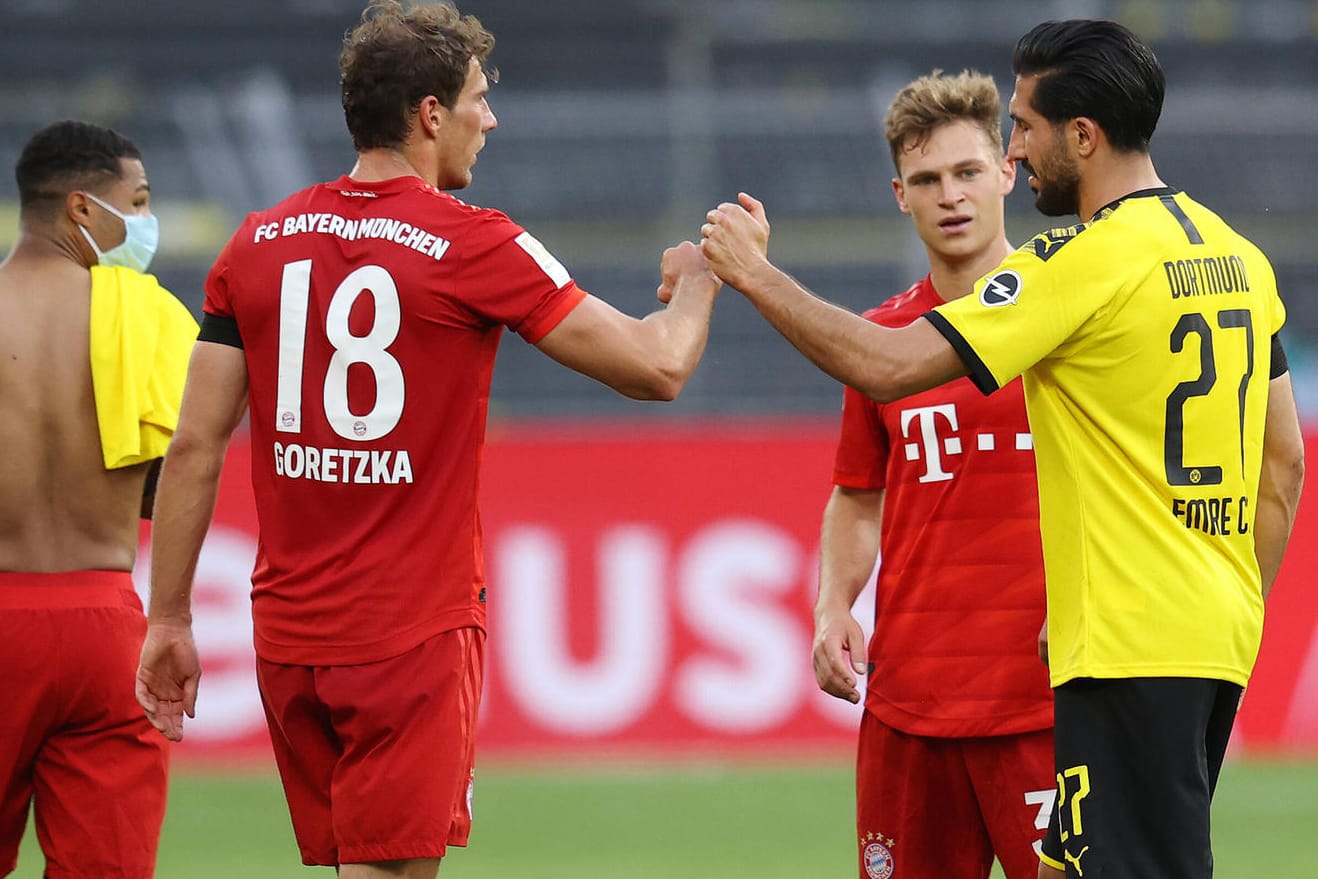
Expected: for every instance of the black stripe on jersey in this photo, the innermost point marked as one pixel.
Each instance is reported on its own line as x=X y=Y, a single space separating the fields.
x=1169 y=202
x=1046 y=244
x=224 y=330
x=1279 y=365
x=979 y=373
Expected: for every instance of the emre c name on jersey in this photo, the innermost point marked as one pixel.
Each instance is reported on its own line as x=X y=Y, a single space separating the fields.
x=1207 y=276
x=1213 y=516
x=382 y=228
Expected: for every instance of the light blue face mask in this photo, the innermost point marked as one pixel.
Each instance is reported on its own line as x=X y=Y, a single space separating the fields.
x=141 y=237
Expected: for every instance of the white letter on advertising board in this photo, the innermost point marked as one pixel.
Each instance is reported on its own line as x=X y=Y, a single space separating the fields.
x=733 y=577
x=615 y=687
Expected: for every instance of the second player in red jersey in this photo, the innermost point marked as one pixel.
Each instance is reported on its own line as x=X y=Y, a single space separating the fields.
x=957 y=730
x=358 y=321
x=960 y=587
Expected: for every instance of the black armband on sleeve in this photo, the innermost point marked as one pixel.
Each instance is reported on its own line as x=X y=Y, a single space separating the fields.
x=980 y=375
x=152 y=478
x=1279 y=365
x=223 y=330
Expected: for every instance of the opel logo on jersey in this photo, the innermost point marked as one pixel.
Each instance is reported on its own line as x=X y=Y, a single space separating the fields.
x=1000 y=288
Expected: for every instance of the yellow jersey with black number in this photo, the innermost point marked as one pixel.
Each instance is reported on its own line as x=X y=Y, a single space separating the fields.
x=1144 y=342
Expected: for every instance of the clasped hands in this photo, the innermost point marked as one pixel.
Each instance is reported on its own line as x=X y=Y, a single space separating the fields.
x=734 y=243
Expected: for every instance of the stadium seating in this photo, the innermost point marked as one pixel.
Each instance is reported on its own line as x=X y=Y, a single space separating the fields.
x=621 y=122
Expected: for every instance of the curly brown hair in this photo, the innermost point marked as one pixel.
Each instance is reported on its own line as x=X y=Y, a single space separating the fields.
x=397 y=57
x=935 y=100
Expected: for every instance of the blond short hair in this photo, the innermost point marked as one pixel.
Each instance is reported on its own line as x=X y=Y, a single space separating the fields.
x=937 y=99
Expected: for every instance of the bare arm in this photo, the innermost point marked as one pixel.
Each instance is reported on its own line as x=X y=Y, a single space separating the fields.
x=882 y=363
x=1280 y=481
x=213 y=404
x=848 y=547
x=649 y=358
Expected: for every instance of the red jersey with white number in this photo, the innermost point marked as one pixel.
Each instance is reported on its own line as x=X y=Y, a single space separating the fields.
x=370 y=314
x=960 y=596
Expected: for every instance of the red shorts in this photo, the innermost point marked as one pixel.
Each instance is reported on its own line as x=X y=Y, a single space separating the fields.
x=945 y=807
x=377 y=759
x=72 y=736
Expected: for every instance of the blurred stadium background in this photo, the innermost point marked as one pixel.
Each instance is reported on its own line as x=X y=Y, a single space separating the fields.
x=655 y=562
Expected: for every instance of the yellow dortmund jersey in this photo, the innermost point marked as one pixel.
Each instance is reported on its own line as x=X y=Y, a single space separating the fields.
x=1144 y=339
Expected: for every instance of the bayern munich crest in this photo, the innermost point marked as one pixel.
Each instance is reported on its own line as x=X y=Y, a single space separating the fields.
x=877 y=858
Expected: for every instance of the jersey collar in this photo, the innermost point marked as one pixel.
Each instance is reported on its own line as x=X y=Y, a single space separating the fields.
x=1157 y=191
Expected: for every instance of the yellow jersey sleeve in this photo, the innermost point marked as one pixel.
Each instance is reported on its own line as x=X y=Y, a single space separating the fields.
x=1026 y=310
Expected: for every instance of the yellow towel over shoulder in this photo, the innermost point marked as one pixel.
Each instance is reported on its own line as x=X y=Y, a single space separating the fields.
x=141 y=339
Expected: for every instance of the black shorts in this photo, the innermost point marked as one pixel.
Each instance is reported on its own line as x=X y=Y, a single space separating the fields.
x=1137 y=762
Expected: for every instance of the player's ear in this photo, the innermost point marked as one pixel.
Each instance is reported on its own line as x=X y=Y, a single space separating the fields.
x=1085 y=133
x=899 y=193
x=78 y=207
x=430 y=114
x=1008 y=176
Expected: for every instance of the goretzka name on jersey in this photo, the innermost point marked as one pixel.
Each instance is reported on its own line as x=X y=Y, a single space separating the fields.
x=359 y=466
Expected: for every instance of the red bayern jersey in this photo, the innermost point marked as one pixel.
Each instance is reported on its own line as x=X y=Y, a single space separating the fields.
x=370 y=314
x=960 y=596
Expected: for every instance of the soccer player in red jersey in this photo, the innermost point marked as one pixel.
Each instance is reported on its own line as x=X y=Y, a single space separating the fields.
x=957 y=730
x=93 y=354
x=358 y=321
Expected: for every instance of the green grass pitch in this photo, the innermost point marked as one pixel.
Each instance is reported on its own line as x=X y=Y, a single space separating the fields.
x=659 y=821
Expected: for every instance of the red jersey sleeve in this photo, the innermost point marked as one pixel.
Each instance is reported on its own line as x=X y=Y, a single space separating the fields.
x=862 y=449
x=510 y=278
x=217 y=301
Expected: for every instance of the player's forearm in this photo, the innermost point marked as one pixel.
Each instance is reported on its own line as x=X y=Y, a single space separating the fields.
x=676 y=338
x=840 y=582
x=848 y=548
x=882 y=363
x=844 y=569
x=1281 y=479
x=1272 y=530
x=185 y=503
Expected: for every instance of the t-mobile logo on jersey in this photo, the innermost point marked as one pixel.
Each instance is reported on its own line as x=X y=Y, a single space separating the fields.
x=935 y=447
